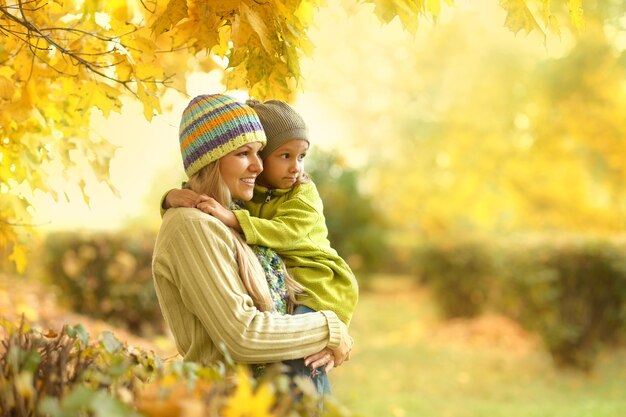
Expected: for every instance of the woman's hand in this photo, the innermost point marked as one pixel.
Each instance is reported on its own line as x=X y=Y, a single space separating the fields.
x=211 y=206
x=182 y=198
x=324 y=358
x=342 y=352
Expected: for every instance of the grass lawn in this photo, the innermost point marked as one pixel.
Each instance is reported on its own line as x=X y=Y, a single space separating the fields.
x=409 y=363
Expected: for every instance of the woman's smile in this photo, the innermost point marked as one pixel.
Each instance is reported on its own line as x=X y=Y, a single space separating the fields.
x=242 y=161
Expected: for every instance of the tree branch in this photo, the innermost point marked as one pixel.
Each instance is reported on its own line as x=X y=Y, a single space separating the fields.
x=34 y=32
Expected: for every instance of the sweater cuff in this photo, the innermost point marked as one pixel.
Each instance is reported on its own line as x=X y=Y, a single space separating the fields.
x=163 y=209
x=243 y=217
x=334 y=329
x=162 y=205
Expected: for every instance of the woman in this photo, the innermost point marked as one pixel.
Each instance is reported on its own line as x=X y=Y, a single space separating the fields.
x=211 y=289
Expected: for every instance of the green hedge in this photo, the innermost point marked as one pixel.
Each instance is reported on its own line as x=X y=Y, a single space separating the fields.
x=458 y=274
x=106 y=276
x=571 y=291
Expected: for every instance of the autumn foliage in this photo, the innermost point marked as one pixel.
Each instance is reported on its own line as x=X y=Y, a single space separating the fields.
x=66 y=373
x=62 y=61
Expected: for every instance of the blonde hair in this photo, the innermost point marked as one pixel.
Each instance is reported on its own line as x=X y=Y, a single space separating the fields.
x=209 y=181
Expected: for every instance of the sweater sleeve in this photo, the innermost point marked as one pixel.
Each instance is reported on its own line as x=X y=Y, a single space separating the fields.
x=200 y=261
x=162 y=208
x=293 y=221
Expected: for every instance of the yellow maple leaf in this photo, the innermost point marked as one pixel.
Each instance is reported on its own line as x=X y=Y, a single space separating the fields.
x=151 y=104
x=19 y=257
x=255 y=21
x=175 y=12
x=433 y=7
x=247 y=402
x=204 y=25
x=117 y=9
x=7 y=88
x=106 y=98
x=90 y=8
x=148 y=72
x=576 y=13
x=519 y=17
x=82 y=184
x=553 y=25
x=222 y=47
x=123 y=69
x=6 y=71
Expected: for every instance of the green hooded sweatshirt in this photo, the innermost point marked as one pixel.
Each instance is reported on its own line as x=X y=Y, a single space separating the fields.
x=291 y=221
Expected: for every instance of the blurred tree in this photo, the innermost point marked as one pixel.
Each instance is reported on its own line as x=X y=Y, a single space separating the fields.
x=472 y=130
x=356 y=227
x=60 y=61
x=534 y=144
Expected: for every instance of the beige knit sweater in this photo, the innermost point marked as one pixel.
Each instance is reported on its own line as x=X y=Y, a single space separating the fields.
x=206 y=306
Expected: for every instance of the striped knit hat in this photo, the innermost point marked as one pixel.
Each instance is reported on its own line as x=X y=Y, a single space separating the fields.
x=214 y=125
x=280 y=122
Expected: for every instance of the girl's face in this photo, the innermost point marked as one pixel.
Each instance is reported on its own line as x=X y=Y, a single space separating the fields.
x=284 y=165
x=239 y=170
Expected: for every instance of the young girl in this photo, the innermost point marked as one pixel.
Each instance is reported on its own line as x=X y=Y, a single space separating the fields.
x=286 y=215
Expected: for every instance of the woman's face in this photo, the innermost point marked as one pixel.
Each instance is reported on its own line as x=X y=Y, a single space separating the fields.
x=240 y=168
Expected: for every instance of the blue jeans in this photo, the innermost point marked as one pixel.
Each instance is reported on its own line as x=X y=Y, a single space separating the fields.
x=319 y=377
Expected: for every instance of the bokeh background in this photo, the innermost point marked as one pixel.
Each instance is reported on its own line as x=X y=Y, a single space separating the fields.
x=474 y=180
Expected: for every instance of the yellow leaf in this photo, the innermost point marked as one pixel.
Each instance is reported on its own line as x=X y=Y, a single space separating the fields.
x=226 y=6
x=546 y=9
x=257 y=25
x=278 y=83
x=208 y=63
x=246 y=402
x=222 y=47
x=19 y=257
x=519 y=16
x=407 y=10
x=236 y=78
x=7 y=89
x=201 y=27
x=150 y=102
x=142 y=44
x=148 y=72
x=576 y=13
x=258 y=67
x=6 y=71
x=24 y=384
x=433 y=7
x=305 y=11
x=82 y=185
x=237 y=56
x=90 y=8
x=553 y=25
x=175 y=12
x=118 y=9
x=123 y=69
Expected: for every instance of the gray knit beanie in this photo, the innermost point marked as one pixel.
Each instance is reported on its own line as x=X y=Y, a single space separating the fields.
x=281 y=123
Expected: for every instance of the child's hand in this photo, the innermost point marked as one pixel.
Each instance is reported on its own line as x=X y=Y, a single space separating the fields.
x=182 y=198
x=215 y=209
